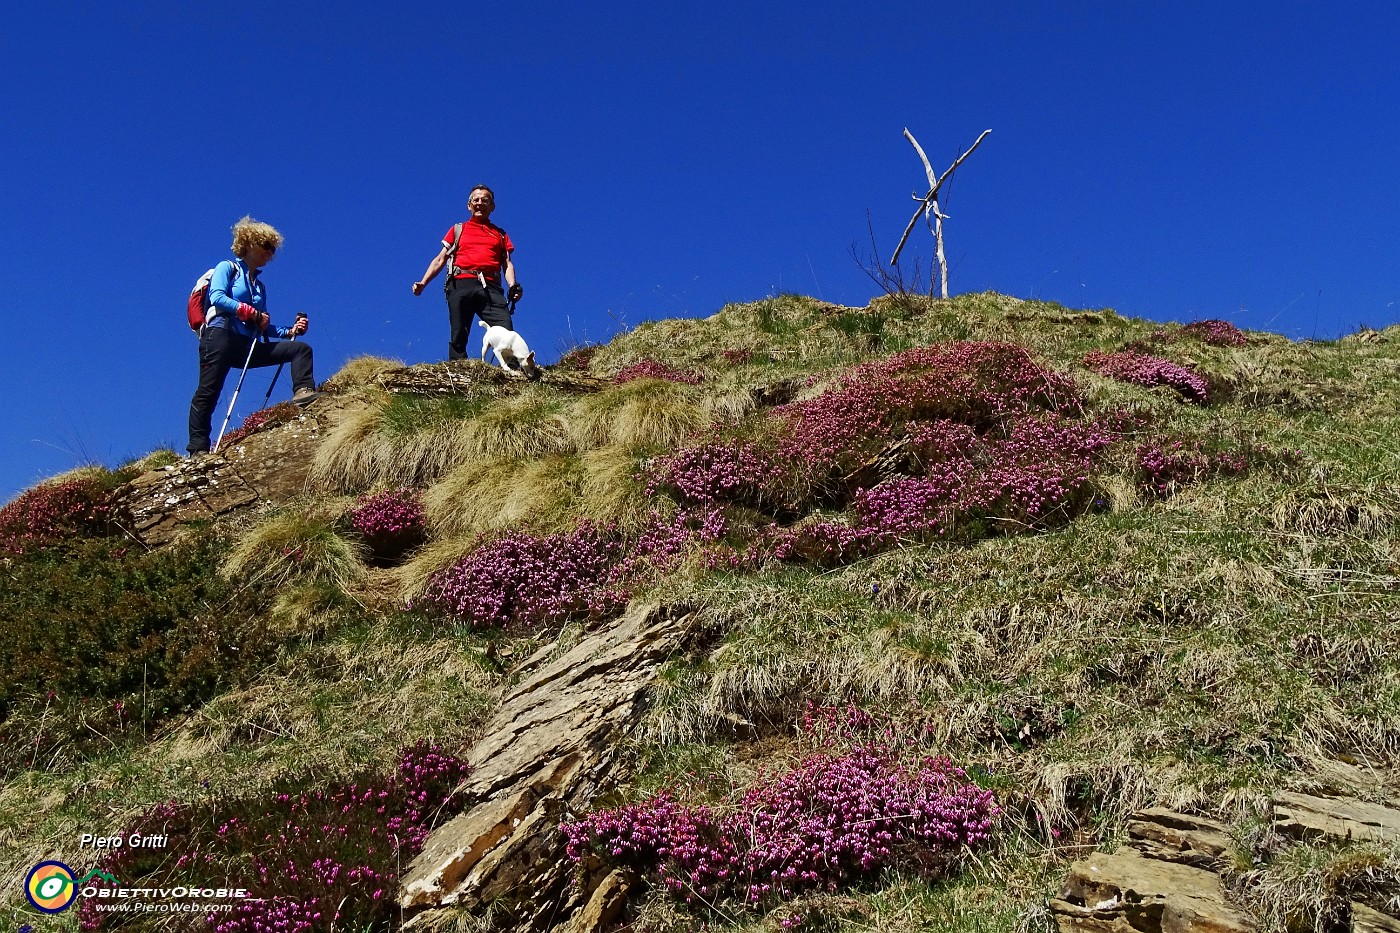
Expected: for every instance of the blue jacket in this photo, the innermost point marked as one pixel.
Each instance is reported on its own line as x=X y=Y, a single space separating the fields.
x=232 y=286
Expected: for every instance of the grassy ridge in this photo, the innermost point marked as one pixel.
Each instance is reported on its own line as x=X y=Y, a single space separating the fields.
x=1194 y=637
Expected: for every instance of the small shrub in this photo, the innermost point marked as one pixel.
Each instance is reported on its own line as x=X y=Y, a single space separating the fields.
x=391 y=522
x=1164 y=466
x=651 y=369
x=523 y=580
x=102 y=643
x=52 y=512
x=578 y=359
x=711 y=473
x=1039 y=472
x=1148 y=371
x=977 y=384
x=315 y=860
x=1217 y=333
x=823 y=826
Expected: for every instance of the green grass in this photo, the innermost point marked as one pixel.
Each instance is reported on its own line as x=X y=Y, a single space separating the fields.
x=1200 y=650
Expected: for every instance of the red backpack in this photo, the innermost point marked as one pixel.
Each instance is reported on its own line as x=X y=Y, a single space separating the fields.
x=198 y=309
x=199 y=302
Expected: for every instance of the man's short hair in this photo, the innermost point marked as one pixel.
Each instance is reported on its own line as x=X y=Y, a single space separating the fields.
x=476 y=188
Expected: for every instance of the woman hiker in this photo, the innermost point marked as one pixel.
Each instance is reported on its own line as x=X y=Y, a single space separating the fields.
x=236 y=320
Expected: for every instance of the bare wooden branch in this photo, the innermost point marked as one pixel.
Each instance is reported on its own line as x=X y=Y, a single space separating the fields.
x=930 y=200
x=928 y=169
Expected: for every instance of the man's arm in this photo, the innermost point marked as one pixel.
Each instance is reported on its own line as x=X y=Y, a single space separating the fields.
x=434 y=268
x=513 y=290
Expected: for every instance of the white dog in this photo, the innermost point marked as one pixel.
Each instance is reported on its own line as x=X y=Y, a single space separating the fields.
x=512 y=353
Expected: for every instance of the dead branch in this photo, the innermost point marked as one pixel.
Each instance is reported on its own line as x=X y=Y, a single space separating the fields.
x=928 y=203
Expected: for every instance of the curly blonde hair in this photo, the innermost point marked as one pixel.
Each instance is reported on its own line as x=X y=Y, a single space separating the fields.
x=249 y=232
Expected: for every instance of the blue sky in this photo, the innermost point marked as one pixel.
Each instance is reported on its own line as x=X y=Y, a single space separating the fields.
x=1178 y=161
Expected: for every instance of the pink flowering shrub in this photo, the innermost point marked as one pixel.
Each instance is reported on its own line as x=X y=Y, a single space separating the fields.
x=830 y=822
x=48 y=514
x=1041 y=470
x=976 y=384
x=1217 y=333
x=578 y=358
x=940 y=441
x=824 y=543
x=914 y=508
x=1144 y=370
x=312 y=861
x=737 y=357
x=523 y=580
x=651 y=369
x=391 y=522
x=1037 y=473
x=665 y=540
x=713 y=472
x=1164 y=466
x=933 y=400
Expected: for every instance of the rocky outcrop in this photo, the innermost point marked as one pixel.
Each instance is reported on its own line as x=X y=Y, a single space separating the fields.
x=550 y=750
x=473 y=377
x=1128 y=891
x=270 y=466
x=1167 y=879
x=1342 y=819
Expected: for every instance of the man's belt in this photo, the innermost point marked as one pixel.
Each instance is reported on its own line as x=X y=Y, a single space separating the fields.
x=488 y=275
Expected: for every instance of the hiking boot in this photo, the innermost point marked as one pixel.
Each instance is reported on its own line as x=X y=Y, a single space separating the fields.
x=305 y=396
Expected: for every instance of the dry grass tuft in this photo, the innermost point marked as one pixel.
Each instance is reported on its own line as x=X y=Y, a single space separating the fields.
x=641 y=413
x=362 y=371
x=352 y=458
x=497 y=495
x=294 y=547
x=520 y=427
x=1311 y=886
x=1326 y=512
x=412 y=440
x=612 y=492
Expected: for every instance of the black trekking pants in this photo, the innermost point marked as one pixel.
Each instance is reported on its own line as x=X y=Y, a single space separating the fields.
x=221 y=351
x=465 y=298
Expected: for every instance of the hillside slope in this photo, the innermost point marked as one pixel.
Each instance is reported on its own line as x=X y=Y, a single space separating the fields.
x=1089 y=563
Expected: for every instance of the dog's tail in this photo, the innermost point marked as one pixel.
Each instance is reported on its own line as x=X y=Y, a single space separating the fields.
x=482 y=323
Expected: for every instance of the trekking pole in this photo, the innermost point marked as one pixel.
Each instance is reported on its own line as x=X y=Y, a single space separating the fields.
x=233 y=400
x=273 y=384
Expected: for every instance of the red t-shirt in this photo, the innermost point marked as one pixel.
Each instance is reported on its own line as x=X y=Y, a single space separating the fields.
x=483 y=246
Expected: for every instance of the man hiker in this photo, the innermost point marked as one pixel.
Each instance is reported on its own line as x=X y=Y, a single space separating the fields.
x=236 y=321
x=477 y=254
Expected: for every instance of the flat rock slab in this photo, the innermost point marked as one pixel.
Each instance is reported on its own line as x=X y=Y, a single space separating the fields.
x=548 y=752
x=1127 y=891
x=1366 y=920
x=1303 y=816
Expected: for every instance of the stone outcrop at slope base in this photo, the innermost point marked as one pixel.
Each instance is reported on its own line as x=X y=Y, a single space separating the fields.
x=549 y=751
x=1166 y=880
